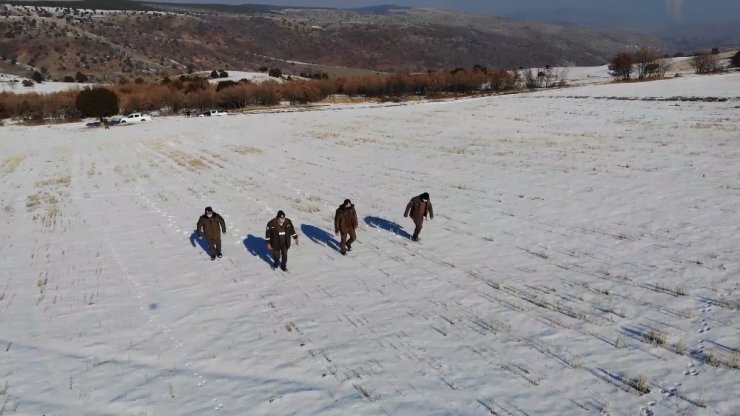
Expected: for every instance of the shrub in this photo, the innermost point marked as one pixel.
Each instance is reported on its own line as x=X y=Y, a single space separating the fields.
x=263 y=69
x=647 y=63
x=302 y=92
x=97 y=102
x=80 y=77
x=38 y=77
x=27 y=83
x=276 y=73
x=223 y=74
x=654 y=337
x=214 y=74
x=735 y=60
x=705 y=63
x=621 y=66
x=265 y=94
x=225 y=84
x=68 y=78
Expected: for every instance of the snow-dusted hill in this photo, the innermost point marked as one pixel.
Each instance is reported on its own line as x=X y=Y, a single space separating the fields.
x=570 y=232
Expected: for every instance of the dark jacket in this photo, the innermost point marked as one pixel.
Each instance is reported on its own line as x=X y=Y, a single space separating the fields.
x=419 y=209
x=273 y=236
x=345 y=219
x=211 y=227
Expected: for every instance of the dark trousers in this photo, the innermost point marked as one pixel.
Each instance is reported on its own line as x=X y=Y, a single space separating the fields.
x=214 y=246
x=280 y=257
x=418 y=222
x=347 y=242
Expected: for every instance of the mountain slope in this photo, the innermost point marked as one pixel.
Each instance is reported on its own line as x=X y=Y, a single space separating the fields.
x=175 y=37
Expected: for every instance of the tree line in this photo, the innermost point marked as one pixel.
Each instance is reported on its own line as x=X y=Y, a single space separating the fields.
x=648 y=63
x=170 y=96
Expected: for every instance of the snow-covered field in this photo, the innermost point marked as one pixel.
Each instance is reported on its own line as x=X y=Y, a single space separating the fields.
x=236 y=76
x=568 y=232
x=12 y=83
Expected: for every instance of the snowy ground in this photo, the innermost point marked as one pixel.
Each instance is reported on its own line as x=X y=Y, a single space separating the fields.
x=12 y=83
x=567 y=230
x=236 y=76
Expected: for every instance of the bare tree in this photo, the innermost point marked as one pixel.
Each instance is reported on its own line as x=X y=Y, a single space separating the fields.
x=706 y=63
x=646 y=62
x=621 y=66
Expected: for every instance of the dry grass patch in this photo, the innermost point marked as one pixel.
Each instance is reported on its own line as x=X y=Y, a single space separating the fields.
x=11 y=164
x=45 y=207
x=654 y=337
x=640 y=384
x=36 y=200
x=729 y=360
x=246 y=150
x=323 y=135
x=308 y=208
x=62 y=180
x=183 y=159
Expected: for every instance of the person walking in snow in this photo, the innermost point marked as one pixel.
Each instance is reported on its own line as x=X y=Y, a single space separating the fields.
x=210 y=226
x=278 y=234
x=345 y=224
x=419 y=208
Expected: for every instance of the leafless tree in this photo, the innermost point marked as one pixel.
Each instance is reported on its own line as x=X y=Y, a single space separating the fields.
x=621 y=66
x=706 y=63
x=646 y=62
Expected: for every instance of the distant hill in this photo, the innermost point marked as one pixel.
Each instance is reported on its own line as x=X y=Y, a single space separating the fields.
x=138 y=42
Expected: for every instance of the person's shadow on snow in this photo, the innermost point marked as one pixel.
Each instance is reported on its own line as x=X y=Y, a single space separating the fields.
x=383 y=224
x=258 y=247
x=319 y=236
x=195 y=237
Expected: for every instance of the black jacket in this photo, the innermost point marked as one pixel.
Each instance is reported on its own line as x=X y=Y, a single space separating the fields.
x=272 y=233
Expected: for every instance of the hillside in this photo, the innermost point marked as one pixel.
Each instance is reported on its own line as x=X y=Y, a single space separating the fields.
x=168 y=39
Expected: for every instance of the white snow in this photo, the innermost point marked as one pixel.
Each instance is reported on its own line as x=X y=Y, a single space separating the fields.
x=12 y=83
x=236 y=76
x=565 y=230
x=702 y=86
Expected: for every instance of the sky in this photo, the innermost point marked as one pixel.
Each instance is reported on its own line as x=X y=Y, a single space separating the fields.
x=627 y=13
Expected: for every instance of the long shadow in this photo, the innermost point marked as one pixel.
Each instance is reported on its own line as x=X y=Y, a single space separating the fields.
x=383 y=224
x=258 y=247
x=194 y=237
x=319 y=236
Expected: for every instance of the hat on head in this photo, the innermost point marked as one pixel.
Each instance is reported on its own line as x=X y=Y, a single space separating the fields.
x=280 y=214
x=424 y=196
x=209 y=209
x=347 y=201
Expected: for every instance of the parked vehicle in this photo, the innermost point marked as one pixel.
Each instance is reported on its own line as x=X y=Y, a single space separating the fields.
x=135 y=118
x=210 y=113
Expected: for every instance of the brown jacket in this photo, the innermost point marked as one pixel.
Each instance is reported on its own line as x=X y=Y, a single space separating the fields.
x=419 y=209
x=211 y=227
x=345 y=220
x=272 y=233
